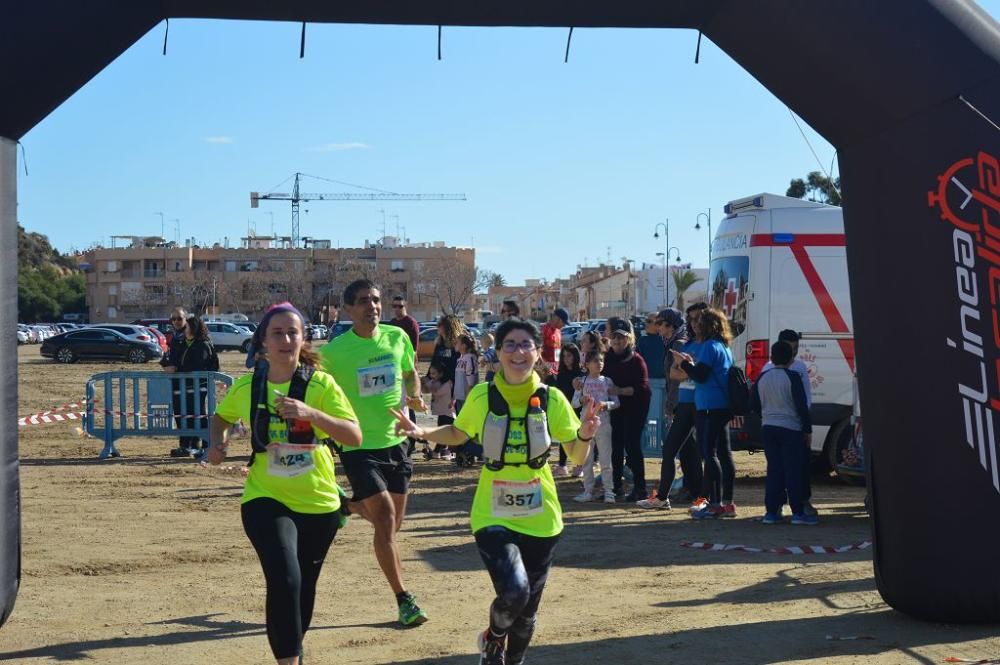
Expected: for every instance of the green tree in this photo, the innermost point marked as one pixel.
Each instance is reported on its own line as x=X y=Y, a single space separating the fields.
x=817 y=187
x=48 y=283
x=683 y=280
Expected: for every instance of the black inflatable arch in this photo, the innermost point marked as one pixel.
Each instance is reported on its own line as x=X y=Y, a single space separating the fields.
x=910 y=97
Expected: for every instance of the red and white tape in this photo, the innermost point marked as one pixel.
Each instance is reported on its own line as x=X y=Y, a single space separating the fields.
x=793 y=549
x=49 y=417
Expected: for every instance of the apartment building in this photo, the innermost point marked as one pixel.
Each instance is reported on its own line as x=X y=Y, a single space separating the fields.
x=150 y=276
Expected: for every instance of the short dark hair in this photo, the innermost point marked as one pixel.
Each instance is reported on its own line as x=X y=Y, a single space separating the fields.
x=401 y=299
x=511 y=307
x=591 y=356
x=510 y=325
x=438 y=364
x=782 y=353
x=789 y=336
x=351 y=292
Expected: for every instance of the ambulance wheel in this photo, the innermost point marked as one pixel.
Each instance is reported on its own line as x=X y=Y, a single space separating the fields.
x=837 y=442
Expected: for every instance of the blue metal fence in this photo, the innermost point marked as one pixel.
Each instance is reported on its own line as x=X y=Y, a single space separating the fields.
x=121 y=404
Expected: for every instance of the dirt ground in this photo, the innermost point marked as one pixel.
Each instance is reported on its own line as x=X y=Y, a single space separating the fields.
x=143 y=560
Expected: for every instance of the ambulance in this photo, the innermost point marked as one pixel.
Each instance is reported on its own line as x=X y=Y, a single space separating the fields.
x=779 y=263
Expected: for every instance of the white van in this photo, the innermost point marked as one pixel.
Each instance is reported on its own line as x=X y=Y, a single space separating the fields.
x=231 y=317
x=779 y=263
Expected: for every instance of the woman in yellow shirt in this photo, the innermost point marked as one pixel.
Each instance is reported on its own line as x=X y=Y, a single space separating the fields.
x=516 y=517
x=291 y=500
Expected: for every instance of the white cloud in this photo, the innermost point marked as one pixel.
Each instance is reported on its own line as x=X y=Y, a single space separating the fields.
x=219 y=139
x=333 y=147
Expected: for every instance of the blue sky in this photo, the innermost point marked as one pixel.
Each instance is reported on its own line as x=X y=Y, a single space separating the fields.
x=560 y=162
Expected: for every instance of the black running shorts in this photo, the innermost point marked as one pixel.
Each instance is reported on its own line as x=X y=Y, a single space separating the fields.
x=374 y=471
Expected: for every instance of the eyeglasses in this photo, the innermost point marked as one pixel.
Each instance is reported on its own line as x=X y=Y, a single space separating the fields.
x=510 y=346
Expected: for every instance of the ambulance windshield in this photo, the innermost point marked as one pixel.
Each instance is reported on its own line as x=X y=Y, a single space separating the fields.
x=730 y=288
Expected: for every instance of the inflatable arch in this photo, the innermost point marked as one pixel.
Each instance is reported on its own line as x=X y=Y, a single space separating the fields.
x=911 y=100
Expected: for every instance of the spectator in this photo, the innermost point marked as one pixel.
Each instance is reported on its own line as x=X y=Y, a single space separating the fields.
x=509 y=310
x=466 y=376
x=650 y=347
x=449 y=328
x=599 y=390
x=552 y=338
x=193 y=352
x=489 y=360
x=569 y=369
x=779 y=398
x=401 y=319
x=793 y=337
x=442 y=405
x=628 y=372
x=710 y=372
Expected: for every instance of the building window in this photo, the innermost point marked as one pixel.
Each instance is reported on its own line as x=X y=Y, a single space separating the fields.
x=112 y=289
x=110 y=266
x=230 y=266
x=112 y=312
x=397 y=265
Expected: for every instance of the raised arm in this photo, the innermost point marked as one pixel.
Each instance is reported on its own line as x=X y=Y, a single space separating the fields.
x=448 y=435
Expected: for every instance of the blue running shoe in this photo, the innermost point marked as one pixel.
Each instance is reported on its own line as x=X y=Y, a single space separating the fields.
x=806 y=520
x=771 y=518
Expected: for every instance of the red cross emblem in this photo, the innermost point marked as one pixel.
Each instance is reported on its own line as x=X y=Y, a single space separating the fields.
x=730 y=299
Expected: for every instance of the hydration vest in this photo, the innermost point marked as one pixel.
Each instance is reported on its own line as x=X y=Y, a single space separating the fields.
x=299 y=431
x=496 y=429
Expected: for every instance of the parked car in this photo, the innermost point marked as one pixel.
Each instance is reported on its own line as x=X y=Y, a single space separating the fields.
x=161 y=339
x=163 y=325
x=229 y=336
x=98 y=344
x=133 y=332
x=570 y=331
x=338 y=329
x=425 y=343
x=22 y=337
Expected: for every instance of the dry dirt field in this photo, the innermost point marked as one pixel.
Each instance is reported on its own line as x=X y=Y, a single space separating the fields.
x=143 y=560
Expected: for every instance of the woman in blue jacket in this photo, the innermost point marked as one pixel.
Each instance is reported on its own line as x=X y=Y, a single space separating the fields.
x=710 y=372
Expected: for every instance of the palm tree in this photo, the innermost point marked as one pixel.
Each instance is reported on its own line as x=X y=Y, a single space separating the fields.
x=496 y=279
x=683 y=280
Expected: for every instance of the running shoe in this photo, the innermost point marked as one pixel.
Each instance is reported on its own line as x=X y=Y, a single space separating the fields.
x=634 y=496
x=578 y=471
x=654 y=502
x=709 y=512
x=699 y=503
x=583 y=497
x=560 y=471
x=491 y=650
x=410 y=613
x=609 y=497
x=728 y=511
x=771 y=518
x=809 y=509
x=805 y=520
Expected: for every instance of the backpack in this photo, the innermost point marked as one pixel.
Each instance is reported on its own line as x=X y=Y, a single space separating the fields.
x=739 y=391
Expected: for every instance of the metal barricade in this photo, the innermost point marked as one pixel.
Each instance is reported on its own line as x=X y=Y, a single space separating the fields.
x=121 y=404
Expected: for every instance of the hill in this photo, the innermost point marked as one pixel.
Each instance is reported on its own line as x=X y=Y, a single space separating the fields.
x=49 y=284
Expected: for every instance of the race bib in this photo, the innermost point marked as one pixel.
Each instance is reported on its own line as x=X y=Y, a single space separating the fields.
x=686 y=385
x=376 y=380
x=513 y=498
x=287 y=460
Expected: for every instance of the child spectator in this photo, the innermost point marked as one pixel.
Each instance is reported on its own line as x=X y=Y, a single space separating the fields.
x=442 y=405
x=466 y=376
x=489 y=360
x=569 y=369
x=597 y=388
x=799 y=367
x=779 y=398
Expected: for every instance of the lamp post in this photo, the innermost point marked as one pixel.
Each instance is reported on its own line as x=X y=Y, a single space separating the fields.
x=667 y=260
x=697 y=227
x=666 y=240
x=663 y=286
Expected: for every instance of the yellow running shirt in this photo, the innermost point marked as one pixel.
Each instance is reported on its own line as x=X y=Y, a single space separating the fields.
x=310 y=488
x=370 y=370
x=518 y=497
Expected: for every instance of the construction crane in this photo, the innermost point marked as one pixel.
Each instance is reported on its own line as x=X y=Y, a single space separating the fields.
x=297 y=197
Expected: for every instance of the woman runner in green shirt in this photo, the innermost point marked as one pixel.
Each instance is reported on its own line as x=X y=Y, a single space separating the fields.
x=290 y=501
x=516 y=517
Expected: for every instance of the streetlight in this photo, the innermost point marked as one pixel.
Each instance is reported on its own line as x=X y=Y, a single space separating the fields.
x=697 y=227
x=666 y=259
x=666 y=238
x=663 y=286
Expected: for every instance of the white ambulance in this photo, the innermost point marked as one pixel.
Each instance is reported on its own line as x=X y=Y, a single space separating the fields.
x=779 y=263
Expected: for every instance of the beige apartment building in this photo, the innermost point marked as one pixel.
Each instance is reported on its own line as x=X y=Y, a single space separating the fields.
x=150 y=276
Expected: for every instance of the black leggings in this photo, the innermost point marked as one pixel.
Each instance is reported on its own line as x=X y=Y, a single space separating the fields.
x=626 y=439
x=679 y=439
x=291 y=547
x=713 y=437
x=519 y=567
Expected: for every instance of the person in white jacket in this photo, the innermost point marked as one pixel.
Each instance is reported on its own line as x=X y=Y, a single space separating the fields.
x=597 y=389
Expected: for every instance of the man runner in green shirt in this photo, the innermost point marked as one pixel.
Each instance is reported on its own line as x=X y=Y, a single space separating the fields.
x=374 y=364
